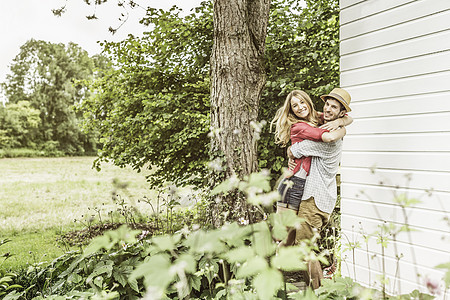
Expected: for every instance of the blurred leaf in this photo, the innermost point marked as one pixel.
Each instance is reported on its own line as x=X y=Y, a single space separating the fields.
x=240 y=254
x=253 y=266
x=267 y=283
x=263 y=245
x=166 y=242
x=289 y=259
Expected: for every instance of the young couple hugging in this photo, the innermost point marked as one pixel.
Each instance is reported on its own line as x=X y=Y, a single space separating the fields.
x=309 y=188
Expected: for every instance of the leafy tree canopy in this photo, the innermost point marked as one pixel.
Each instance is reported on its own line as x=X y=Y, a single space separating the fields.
x=18 y=125
x=153 y=108
x=49 y=77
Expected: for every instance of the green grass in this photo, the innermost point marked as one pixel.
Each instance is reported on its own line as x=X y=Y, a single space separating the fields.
x=31 y=247
x=41 y=197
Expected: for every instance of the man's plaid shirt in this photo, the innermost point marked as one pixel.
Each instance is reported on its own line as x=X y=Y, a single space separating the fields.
x=321 y=181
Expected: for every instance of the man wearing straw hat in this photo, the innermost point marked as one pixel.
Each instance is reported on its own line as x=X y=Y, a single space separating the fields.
x=320 y=192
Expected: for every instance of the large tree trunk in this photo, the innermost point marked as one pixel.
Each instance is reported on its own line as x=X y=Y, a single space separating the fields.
x=237 y=78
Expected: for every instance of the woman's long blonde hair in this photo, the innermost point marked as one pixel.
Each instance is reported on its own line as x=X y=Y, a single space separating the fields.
x=285 y=117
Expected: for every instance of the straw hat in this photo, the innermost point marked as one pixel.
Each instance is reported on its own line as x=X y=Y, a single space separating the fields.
x=340 y=95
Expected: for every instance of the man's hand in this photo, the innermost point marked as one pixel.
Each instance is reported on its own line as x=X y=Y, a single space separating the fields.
x=289 y=153
x=333 y=125
x=291 y=164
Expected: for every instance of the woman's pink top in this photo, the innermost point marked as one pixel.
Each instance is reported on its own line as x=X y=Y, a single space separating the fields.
x=303 y=131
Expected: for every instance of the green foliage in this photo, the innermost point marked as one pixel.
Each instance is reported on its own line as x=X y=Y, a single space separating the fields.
x=44 y=84
x=19 y=124
x=199 y=264
x=446 y=267
x=302 y=52
x=236 y=262
x=345 y=288
x=7 y=285
x=230 y=262
x=153 y=108
x=26 y=152
x=385 y=234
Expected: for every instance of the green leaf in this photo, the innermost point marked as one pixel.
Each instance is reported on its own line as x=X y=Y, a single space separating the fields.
x=98 y=243
x=166 y=242
x=240 y=254
x=221 y=293
x=133 y=284
x=286 y=218
x=306 y=295
x=188 y=262
x=205 y=242
x=208 y=267
x=74 y=278
x=104 y=267
x=260 y=180
x=14 y=286
x=234 y=235
x=5 y=279
x=156 y=272
x=98 y=281
x=289 y=259
x=444 y=266
x=447 y=274
x=282 y=221
x=268 y=283
x=263 y=243
x=225 y=186
x=252 y=267
x=123 y=234
x=265 y=199
x=195 y=282
x=121 y=274
x=403 y=200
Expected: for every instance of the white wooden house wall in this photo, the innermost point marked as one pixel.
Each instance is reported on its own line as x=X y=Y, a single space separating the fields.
x=395 y=63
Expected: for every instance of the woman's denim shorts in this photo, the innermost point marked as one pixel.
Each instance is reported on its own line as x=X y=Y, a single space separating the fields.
x=291 y=191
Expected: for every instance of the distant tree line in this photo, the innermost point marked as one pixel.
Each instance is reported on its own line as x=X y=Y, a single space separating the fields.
x=46 y=83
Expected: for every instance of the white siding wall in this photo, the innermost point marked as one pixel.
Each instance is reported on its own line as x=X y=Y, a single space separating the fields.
x=395 y=63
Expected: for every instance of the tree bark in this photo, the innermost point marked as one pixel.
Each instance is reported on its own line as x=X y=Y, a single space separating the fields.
x=237 y=79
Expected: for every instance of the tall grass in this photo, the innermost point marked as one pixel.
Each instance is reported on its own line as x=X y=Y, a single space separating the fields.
x=41 y=197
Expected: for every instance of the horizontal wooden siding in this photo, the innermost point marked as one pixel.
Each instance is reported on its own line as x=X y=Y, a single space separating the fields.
x=395 y=62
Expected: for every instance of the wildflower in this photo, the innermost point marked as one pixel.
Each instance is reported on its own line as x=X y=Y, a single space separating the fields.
x=216 y=165
x=214 y=132
x=257 y=128
x=172 y=189
x=185 y=231
x=243 y=221
x=433 y=286
x=124 y=246
x=143 y=234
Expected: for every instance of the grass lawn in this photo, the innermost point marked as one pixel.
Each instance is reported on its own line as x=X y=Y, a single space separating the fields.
x=41 y=197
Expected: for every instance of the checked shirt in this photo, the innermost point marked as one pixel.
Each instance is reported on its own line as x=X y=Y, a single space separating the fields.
x=321 y=181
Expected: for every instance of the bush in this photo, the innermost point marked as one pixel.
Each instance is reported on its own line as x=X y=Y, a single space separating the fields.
x=195 y=263
x=27 y=152
x=7 y=279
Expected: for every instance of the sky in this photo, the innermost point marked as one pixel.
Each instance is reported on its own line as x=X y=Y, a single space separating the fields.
x=22 y=20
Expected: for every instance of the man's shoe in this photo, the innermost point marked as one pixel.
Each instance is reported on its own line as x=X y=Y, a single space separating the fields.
x=328 y=272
